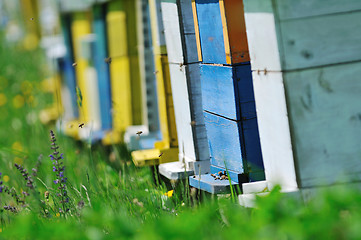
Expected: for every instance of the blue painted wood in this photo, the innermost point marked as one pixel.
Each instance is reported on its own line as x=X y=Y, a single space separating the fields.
x=234 y=144
x=228 y=91
x=68 y=60
x=102 y=68
x=211 y=31
x=207 y=183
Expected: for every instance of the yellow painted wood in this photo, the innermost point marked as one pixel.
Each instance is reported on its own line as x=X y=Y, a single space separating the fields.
x=31 y=20
x=71 y=129
x=151 y=157
x=80 y=27
x=196 y=29
x=225 y=32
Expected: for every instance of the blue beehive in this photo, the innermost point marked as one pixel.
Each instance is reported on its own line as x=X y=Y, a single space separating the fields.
x=227 y=96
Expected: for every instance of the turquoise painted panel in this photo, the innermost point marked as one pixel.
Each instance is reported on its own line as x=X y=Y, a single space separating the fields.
x=325 y=114
x=228 y=91
x=319 y=41
x=258 y=6
x=67 y=62
x=102 y=68
x=291 y=9
x=211 y=31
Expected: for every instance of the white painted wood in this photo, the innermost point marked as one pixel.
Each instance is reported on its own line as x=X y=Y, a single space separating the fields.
x=274 y=129
x=254 y=187
x=182 y=112
x=172 y=31
x=68 y=111
x=175 y=170
x=262 y=41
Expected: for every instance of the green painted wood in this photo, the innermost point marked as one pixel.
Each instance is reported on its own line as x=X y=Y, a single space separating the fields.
x=291 y=9
x=75 y=5
x=324 y=107
x=258 y=6
x=319 y=41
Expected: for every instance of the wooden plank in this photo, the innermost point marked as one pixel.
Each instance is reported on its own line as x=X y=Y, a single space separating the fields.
x=136 y=89
x=102 y=68
x=66 y=63
x=172 y=31
x=210 y=31
x=80 y=27
x=274 y=130
x=207 y=183
x=228 y=91
x=325 y=123
x=320 y=41
x=117 y=29
x=233 y=17
x=262 y=40
x=234 y=145
x=196 y=30
x=292 y=9
x=186 y=14
x=75 y=6
x=152 y=157
x=224 y=142
x=157 y=28
x=182 y=112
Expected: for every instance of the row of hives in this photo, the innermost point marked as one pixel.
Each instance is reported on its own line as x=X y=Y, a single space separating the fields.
x=267 y=91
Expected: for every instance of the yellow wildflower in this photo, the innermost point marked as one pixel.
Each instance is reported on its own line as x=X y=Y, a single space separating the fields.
x=57 y=214
x=26 y=87
x=17 y=146
x=169 y=193
x=18 y=160
x=18 y=101
x=6 y=178
x=3 y=99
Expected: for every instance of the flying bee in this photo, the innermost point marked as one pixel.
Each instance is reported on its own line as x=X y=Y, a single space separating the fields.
x=31 y=19
x=108 y=60
x=155 y=72
x=81 y=125
x=74 y=64
x=139 y=132
x=160 y=154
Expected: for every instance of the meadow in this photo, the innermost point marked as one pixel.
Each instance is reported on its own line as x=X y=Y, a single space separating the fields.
x=65 y=189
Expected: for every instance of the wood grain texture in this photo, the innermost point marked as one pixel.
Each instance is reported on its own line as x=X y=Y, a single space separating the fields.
x=322 y=40
x=292 y=9
x=325 y=120
x=228 y=91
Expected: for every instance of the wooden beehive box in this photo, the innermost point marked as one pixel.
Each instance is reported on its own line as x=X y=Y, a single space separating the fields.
x=305 y=64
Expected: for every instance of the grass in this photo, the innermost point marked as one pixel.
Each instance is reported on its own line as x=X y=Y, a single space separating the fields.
x=111 y=199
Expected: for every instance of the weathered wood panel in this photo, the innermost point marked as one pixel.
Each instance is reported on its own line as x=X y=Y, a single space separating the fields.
x=228 y=91
x=324 y=109
x=274 y=130
x=321 y=40
x=182 y=111
x=210 y=31
x=233 y=144
x=291 y=9
x=262 y=40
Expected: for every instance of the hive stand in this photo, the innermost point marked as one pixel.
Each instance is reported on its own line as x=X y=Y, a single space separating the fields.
x=185 y=80
x=165 y=150
x=227 y=93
